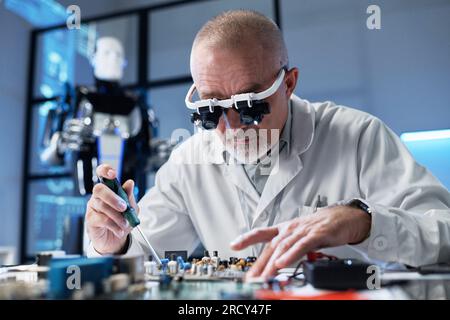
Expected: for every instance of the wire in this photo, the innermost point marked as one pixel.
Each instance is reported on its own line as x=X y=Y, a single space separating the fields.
x=295 y=274
x=311 y=257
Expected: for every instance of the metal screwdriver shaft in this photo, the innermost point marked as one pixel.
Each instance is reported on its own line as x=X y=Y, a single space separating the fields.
x=129 y=214
x=152 y=251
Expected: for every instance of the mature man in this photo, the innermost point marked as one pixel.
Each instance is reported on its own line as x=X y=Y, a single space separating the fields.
x=373 y=201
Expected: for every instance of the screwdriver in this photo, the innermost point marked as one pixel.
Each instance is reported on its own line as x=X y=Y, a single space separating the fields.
x=129 y=214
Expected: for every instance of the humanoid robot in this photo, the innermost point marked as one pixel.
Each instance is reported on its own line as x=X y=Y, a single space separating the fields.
x=104 y=124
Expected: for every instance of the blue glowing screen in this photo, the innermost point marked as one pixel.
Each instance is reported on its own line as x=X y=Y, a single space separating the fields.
x=432 y=150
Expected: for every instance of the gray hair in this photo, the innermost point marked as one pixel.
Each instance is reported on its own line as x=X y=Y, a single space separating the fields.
x=233 y=29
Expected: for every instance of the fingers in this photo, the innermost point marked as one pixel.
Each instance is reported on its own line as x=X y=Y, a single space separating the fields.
x=102 y=192
x=289 y=236
x=100 y=220
x=285 y=230
x=128 y=186
x=105 y=170
x=298 y=250
x=282 y=246
x=101 y=207
x=252 y=237
x=260 y=264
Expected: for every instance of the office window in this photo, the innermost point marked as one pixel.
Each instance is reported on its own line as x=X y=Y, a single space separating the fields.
x=324 y=40
x=168 y=103
x=173 y=30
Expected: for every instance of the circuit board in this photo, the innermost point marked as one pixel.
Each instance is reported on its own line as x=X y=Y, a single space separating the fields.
x=119 y=277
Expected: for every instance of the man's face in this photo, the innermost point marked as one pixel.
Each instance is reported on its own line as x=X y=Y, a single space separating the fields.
x=220 y=73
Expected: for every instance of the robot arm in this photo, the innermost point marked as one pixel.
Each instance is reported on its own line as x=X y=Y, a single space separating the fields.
x=76 y=134
x=62 y=134
x=51 y=154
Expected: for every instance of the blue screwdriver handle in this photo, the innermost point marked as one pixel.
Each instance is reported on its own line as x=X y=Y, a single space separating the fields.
x=129 y=214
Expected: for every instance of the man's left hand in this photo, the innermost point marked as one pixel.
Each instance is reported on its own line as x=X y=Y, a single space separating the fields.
x=291 y=240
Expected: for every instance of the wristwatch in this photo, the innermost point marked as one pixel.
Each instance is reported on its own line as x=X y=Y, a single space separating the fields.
x=356 y=203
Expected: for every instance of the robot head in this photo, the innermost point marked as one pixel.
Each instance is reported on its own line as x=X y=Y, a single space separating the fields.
x=108 y=60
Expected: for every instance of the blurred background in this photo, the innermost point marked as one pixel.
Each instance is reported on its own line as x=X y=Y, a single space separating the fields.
x=399 y=73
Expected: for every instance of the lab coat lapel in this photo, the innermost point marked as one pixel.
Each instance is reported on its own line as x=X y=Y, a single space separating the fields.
x=232 y=170
x=239 y=178
x=289 y=166
x=286 y=170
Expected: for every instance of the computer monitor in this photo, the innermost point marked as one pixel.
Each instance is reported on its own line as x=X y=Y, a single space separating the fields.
x=54 y=216
x=432 y=150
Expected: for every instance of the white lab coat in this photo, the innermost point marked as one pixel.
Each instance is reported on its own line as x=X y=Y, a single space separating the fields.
x=336 y=152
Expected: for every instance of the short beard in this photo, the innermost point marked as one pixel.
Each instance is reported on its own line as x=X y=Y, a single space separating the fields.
x=249 y=146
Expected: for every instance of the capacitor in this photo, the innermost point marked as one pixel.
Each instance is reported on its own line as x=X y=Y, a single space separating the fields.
x=194 y=266
x=181 y=264
x=187 y=267
x=215 y=259
x=206 y=258
x=151 y=267
x=164 y=263
x=241 y=264
x=204 y=269
x=224 y=263
x=200 y=268
x=250 y=259
x=172 y=265
x=210 y=270
x=221 y=267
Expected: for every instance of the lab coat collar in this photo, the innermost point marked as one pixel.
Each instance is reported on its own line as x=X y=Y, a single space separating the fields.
x=303 y=125
x=285 y=137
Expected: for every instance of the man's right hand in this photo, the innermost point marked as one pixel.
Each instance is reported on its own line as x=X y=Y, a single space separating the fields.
x=107 y=228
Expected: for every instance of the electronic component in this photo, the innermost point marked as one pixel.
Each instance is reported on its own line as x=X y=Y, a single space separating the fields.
x=93 y=276
x=43 y=258
x=206 y=258
x=215 y=259
x=172 y=265
x=78 y=278
x=178 y=253
x=66 y=274
x=336 y=274
x=130 y=265
x=207 y=268
x=151 y=267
